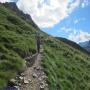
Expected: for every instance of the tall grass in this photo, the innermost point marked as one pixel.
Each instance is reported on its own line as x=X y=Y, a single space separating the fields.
x=17 y=41
x=66 y=67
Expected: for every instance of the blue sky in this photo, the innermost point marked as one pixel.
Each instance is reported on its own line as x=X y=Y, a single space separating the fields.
x=63 y=18
x=78 y=20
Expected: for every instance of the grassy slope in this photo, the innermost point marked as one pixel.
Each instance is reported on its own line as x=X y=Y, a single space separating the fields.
x=73 y=44
x=17 y=40
x=66 y=67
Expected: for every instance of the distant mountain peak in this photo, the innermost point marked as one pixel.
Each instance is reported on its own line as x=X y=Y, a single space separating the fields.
x=85 y=45
x=73 y=44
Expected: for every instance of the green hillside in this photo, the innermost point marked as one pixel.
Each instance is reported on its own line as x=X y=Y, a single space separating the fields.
x=73 y=44
x=66 y=67
x=17 y=40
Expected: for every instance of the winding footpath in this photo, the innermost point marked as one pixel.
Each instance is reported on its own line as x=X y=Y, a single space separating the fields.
x=34 y=77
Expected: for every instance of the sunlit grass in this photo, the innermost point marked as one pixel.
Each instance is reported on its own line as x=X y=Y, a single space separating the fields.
x=17 y=41
x=66 y=67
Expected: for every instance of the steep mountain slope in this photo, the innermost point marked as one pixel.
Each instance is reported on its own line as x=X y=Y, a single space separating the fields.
x=17 y=40
x=66 y=67
x=85 y=45
x=25 y=17
x=73 y=44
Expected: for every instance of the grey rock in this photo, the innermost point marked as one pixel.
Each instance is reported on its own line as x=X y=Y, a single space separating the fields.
x=38 y=68
x=26 y=81
x=40 y=79
x=41 y=87
x=17 y=87
x=21 y=78
x=19 y=84
x=12 y=80
x=22 y=74
x=29 y=80
x=41 y=83
x=35 y=75
x=35 y=67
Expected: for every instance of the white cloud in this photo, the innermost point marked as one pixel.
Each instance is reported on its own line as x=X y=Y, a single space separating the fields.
x=68 y=30
x=75 y=35
x=85 y=3
x=3 y=1
x=79 y=36
x=76 y=21
x=73 y=5
x=65 y=29
x=47 y=13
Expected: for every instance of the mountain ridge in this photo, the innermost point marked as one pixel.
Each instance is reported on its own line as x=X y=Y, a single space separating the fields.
x=73 y=44
x=26 y=17
x=85 y=45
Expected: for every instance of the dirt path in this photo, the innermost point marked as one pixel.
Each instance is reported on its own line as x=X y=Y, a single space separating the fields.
x=34 y=77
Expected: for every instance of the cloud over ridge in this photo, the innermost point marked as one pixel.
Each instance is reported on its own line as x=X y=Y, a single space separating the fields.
x=47 y=13
x=76 y=35
x=80 y=36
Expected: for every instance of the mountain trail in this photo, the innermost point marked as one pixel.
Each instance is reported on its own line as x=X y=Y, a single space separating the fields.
x=34 y=77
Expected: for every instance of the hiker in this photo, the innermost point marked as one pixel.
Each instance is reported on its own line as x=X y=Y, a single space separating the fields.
x=38 y=42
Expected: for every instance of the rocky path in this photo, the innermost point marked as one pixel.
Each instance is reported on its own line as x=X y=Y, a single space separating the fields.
x=34 y=77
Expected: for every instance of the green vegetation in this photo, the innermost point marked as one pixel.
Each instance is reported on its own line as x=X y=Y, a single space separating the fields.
x=17 y=40
x=66 y=67
x=73 y=44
